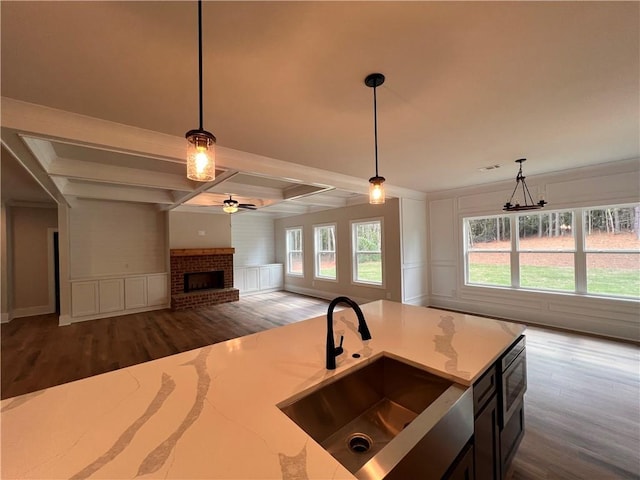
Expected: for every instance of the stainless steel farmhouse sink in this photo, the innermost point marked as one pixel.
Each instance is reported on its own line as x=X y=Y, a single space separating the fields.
x=387 y=419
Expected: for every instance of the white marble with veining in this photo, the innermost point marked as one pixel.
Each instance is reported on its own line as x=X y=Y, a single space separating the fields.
x=212 y=412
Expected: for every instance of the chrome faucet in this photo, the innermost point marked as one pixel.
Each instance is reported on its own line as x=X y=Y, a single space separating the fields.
x=332 y=350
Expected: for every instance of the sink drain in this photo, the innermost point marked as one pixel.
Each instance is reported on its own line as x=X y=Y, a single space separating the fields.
x=359 y=442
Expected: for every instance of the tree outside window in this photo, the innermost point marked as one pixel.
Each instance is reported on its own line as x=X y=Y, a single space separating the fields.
x=367 y=252
x=600 y=257
x=325 y=253
x=612 y=245
x=295 y=254
x=488 y=251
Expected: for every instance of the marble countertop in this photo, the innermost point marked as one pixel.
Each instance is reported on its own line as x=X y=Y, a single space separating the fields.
x=212 y=412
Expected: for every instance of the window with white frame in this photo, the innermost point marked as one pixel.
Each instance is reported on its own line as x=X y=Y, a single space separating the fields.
x=366 y=245
x=546 y=249
x=612 y=250
x=592 y=250
x=325 y=251
x=488 y=250
x=295 y=253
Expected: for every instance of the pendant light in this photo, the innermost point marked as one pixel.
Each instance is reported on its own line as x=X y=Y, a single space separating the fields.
x=201 y=154
x=376 y=183
x=513 y=204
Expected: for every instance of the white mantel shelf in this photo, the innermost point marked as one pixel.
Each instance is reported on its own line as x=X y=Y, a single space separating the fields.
x=213 y=412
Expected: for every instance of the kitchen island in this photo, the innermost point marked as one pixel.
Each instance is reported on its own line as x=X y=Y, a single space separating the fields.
x=213 y=412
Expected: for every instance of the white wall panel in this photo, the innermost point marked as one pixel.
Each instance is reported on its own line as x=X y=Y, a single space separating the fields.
x=157 y=290
x=111 y=296
x=443 y=280
x=84 y=298
x=199 y=230
x=116 y=238
x=135 y=292
x=253 y=237
x=442 y=226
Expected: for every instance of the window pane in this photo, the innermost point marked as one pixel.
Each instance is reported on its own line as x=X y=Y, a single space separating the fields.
x=295 y=263
x=613 y=274
x=546 y=231
x=489 y=268
x=616 y=228
x=294 y=251
x=547 y=271
x=327 y=265
x=368 y=237
x=369 y=267
x=489 y=233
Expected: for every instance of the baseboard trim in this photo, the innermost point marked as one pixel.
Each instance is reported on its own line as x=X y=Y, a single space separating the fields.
x=119 y=313
x=5 y=318
x=324 y=294
x=31 y=311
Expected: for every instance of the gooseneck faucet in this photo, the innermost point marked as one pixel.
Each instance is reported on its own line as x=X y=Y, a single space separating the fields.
x=332 y=350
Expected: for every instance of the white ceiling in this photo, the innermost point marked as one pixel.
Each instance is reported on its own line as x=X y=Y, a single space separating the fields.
x=469 y=84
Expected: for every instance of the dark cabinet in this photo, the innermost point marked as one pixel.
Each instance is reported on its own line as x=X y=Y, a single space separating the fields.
x=487 y=442
x=463 y=467
x=499 y=413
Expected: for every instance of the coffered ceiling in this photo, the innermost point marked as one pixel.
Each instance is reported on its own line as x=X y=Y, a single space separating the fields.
x=469 y=84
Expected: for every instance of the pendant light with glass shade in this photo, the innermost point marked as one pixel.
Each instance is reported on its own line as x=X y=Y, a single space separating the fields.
x=201 y=154
x=376 y=183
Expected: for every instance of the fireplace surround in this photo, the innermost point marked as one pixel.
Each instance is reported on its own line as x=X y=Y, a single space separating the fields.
x=209 y=290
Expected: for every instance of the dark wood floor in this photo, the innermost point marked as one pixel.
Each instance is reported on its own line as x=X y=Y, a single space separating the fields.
x=582 y=407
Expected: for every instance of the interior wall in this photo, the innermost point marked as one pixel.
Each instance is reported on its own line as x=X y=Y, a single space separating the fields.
x=199 y=230
x=389 y=212
x=29 y=259
x=116 y=238
x=253 y=237
x=413 y=223
x=605 y=184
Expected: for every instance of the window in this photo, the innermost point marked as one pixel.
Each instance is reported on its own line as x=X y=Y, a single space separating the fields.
x=593 y=250
x=488 y=251
x=295 y=255
x=612 y=246
x=366 y=245
x=325 y=250
x=546 y=249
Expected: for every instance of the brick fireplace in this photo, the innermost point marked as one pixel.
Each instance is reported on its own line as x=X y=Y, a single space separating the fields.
x=198 y=261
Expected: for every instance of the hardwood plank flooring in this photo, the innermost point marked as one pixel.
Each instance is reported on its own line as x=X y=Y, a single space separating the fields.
x=36 y=353
x=582 y=407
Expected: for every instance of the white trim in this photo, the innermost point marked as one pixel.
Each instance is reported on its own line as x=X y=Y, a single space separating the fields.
x=5 y=318
x=287 y=251
x=366 y=221
x=315 y=251
x=118 y=313
x=323 y=294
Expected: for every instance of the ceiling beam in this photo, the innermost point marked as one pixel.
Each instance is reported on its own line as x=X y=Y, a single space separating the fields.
x=18 y=150
x=97 y=172
x=202 y=188
x=117 y=193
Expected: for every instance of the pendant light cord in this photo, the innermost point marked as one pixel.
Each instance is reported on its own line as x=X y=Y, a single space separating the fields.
x=375 y=125
x=200 y=56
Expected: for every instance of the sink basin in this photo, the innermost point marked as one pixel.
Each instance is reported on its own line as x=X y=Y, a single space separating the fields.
x=373 y=417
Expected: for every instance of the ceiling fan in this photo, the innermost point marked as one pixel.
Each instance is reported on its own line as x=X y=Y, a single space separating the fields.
x=231 y=206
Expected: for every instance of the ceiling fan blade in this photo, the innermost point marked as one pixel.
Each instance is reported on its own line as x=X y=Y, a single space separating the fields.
x=248 y=206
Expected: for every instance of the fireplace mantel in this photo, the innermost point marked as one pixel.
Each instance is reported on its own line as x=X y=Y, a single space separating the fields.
x=194 y=252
